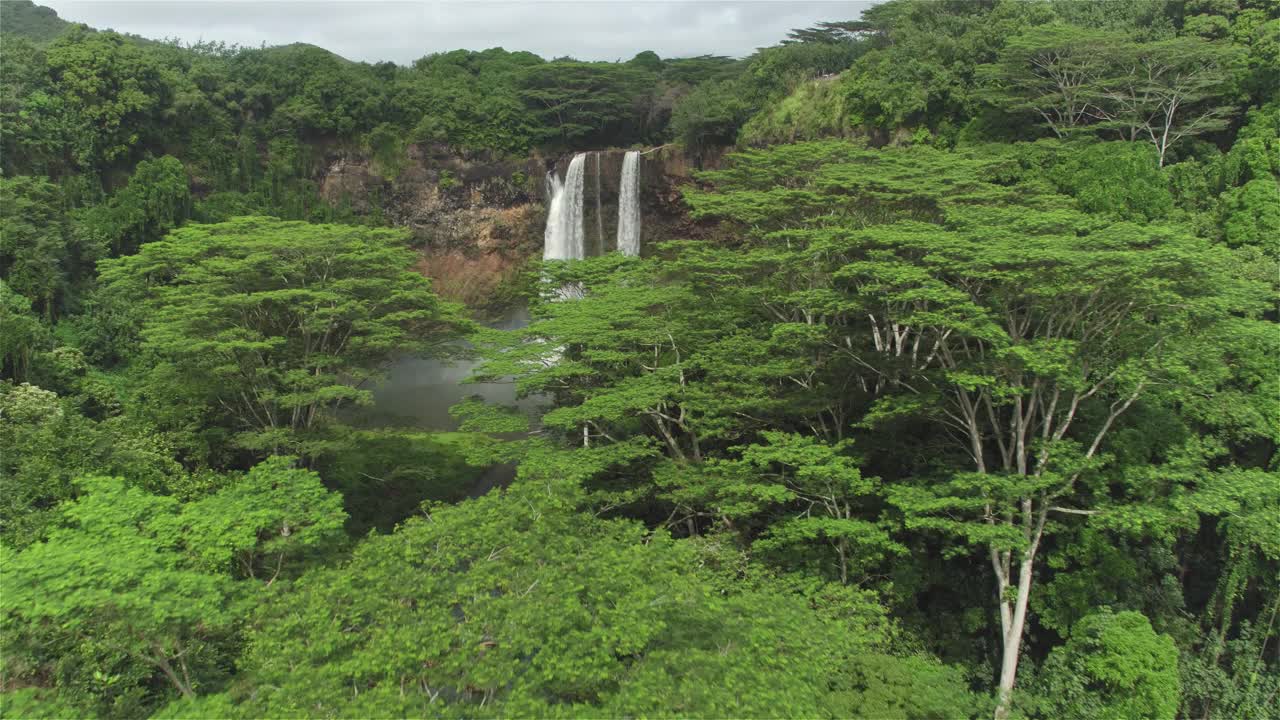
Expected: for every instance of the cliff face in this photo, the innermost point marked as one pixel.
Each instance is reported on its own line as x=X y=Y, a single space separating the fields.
x=478 y=218
x=445 y=200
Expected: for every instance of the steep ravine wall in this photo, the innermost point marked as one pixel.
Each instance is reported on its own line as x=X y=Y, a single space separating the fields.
x=663 y=212
x=476 y=218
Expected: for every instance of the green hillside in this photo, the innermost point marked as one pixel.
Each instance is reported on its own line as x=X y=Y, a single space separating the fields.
x=26 y=19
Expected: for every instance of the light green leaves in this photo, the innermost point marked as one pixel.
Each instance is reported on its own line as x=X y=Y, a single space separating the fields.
x=143 y=576
x=1113 y=666
x=286 y=321
x=517 y=604
x=273 y=515
x=116 y=575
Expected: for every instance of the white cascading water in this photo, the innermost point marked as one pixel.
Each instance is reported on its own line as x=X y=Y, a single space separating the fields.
x=564 y=238
x=599 y=215
x=629 y=205
x=553 y=236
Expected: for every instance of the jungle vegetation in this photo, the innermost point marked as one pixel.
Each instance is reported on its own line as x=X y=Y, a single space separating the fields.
x=967 y=403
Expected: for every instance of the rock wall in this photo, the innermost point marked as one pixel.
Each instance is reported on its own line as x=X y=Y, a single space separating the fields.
x=447 y=201
x=477 y=218
x=488 y=203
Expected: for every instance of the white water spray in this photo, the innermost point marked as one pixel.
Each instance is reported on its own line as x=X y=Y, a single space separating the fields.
x=564 y=238
x=629 y=205
x=553 y=235
x=599 y=215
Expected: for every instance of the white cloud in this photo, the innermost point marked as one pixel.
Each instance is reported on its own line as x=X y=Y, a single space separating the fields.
x=374 y=30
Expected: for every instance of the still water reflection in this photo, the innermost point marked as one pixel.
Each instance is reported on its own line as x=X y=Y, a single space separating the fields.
x=418 y=392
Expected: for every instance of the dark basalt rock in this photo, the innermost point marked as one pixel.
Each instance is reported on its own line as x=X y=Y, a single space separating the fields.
x=485 y=203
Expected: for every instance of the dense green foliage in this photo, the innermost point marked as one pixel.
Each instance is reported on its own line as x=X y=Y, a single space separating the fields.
x=544 y=611
x=965 y=401
x=1113 y=666
x=280 y=323
x=147 y=586
x=25 y=18
x=990 y=350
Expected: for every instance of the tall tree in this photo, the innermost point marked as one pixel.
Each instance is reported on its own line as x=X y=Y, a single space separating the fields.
x=830 y=32
x=283 y=322
x=1041 y=345
x=1166 y=91
x=579 y=102
x=1029 y=331
x=1056 y=72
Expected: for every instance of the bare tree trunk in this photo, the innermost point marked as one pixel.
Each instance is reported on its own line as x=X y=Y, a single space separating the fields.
x=1013 y=637
x=842 y=549
x=670 y=440
x=163 y=663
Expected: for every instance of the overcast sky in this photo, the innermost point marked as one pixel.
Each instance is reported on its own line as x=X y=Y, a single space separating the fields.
x=373 y=30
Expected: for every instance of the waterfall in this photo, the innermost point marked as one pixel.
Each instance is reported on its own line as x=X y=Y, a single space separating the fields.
x=629 y=205
x=564 y=238
x=553 y=236
x=575 y=234
x=599 y=215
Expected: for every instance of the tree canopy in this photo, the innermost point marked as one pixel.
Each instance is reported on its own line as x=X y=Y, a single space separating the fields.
x=283 y=322
x=945 y=383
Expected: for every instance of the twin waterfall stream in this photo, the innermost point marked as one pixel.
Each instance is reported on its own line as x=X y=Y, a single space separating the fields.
x=629 y=206
x=565 y=237
x=419 y=391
